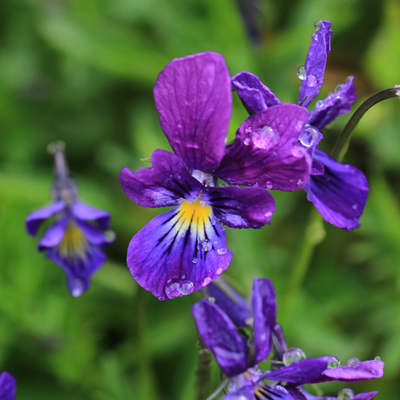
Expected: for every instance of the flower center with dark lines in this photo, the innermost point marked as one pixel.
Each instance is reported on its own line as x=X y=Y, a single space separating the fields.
x=74 y=243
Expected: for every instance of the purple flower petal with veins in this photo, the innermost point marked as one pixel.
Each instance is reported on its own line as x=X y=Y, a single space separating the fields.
x=8 y=387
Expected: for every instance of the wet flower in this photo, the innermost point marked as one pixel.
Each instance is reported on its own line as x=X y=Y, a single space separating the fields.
x=8 y=386
x=77 y=233
x=338 y=191
x=237 y=353
x=185 y=249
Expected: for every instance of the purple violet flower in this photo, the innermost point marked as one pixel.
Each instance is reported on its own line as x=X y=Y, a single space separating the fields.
x=338 y=191
x=185 y=249
x=71 y=241
x=8 y=386
x=237 y=354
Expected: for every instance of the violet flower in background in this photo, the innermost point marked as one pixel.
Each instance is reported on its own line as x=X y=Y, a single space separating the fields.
x=8 y=386
x=77 y=233
x=338 y=191
x=185 y=249
x=237 y=354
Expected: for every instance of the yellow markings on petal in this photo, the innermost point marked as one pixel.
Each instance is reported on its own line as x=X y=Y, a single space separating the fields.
x=74 y=243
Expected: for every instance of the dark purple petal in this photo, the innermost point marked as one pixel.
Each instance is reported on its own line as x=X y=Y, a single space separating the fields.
x=219 y=334
x=317 y=168
x=335 y=104
x=278 y=338
x=94 y=235
x=230 y=302
x=54 y=234
x=34 y=220
x=244 y=393
x=300 y=372
x=194 y=102
x=340 y=193
x=84 y=212
x=162 y=185
x=360 y=371
x=8 y=386
x=315 y=63
x=264 y=312
x=178 y=252
x=241 y=207
x=365 y=396
x=265 y=151
x=296 y=393
x=254 y=94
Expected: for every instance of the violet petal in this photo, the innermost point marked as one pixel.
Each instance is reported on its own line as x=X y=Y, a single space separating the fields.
x=8 y=387
x=94 y=235
x=84 y=212
x=219 y=334
x=340 y=193
x=178 y=252
x=162 y=185
x=315 y=63
x=265 y=151
x=194 y=101
x=365 y=396
x=254 y=94
x=54 y=234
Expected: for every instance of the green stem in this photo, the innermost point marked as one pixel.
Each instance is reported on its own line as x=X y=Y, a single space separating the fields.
x=203 y=381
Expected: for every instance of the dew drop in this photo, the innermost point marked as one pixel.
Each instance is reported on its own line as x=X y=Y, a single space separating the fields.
x=269 y=185
x=246 y=141
x=377 y=358
x=206 y=281
x=219 y=271
x=352 y=361
x=302 y=72
x=202 y=203
x=311 y=81
x=346 y=394
x=160 y=297
x=281 y=388
x=186 y=287
x=265 y=137
x=297 y=151
x=317 y=24
x=78 y=288
x=268 y=214
x=299 y=183
x=204 y=245
x=194 y=260
x=319 y=103
x=354 y=206
x=222 y=250
x=183 y=276
x=293 y=355
x=315 y=36
x=172 y=288
x=334 y=363
x=308 y=136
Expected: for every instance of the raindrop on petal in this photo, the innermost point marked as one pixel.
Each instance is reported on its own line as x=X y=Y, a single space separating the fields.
x=186 y=287
x=302 y=72
x=219 y=271
x=308 y=136
x=206 y=281
x=293 y=355
x=269 y=185
x=317 y=24
x=311 y=81
x=222 y=250
x=352 y=361
x=172 y=288
x=246 y=141
x=194 y=260
x=346 y=394
x=78 y=288
x=334 y=363
x=377 y=358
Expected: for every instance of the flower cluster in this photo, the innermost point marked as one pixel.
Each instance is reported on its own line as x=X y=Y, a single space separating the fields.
x=71 y=241
x=220 y=321
x=8 y=386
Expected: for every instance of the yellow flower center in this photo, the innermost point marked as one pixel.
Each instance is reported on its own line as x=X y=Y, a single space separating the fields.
x=74 y=243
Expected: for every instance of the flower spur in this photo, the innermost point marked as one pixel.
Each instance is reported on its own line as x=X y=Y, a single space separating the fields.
x=71 y=241
x=185 y=249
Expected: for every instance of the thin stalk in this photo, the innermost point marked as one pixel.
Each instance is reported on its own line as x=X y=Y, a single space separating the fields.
x=203 y=381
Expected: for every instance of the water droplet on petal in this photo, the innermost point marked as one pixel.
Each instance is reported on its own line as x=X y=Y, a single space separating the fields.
x=183 y=276
x=268 y=214
x=302 y=72
x=315 y=36
x=293 y=355
x=202 y=203
x=246 y=141
x=319 y=103
x=317 y=24
x=269 y=185
x=204 y=245
x=311 y=81
x=308 y=136
x=377 y=358
x=219 y=271
x=346 y=394
x=206 y=281
x=352 y=361
x=355 y=206
x=186 y=287
x=297 y=151
x=194 y=260
x=265 y=137
x=160 y=298
x=299 y=183
x=281 y=388
x=222 y=250
x=172 y=288
x=78 y=288
x=334 y=363
x=256 y=184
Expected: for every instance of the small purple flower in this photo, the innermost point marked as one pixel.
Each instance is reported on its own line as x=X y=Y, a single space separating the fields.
x=71 y=241
x=8 y=386
x=185 y=249
x=237 y=354
x=338 y=191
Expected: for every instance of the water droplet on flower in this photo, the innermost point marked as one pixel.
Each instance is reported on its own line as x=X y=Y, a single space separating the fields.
x=352 y=361
x=248 y=129
x=317 y=24
x=246 y=141
x=204 y=245
x=338 y=88
x=281 y=388
x=268 y=214
x=194 y=260
x=297 y=151
x=346 y=394
x=355 y=206
x=377 y=358
x=269 y=185
x=172 y=288
x=160 y=297
x=186 y=287
x=311 y=81
x=202 y=203
x=302 y=72
x=334 y=363
x=78 y=288
x=265 y=137
x=256 y=184
x=308 y=136
x=293 y=355
x=315 y=36
x=299 y=183
x=219 y=271
x=178 y=177
x=222 y=250
x=206 y=281
x=319 y=103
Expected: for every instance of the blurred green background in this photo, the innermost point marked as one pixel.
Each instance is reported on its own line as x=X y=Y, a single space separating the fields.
x=83 y=71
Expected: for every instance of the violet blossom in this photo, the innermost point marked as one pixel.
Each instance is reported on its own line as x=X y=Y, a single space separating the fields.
x=8 y=386
x=338 y=191
x=185 y=248
x=78 y=232
x=237 y=353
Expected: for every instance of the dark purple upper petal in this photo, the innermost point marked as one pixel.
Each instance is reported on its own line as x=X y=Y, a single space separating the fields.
x=335 y=104
x=34 y=220
x=8 y=386
x=265 y=151
x=315 y=63
x=219 y=334
x=241 y=207
x=254 y=94
x=300 y=372
x=230 y=302
x=194 y=101
x=264 y=312
x=360 y=371
x=84 y=212
x=162 y=185
x=340 y=193
x=178 y=252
